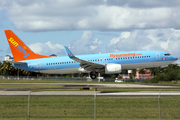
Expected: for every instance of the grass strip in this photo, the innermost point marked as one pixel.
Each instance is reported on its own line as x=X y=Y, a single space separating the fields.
x=80 y=108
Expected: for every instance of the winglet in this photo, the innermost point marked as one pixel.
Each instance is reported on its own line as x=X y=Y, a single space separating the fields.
x=68 y=52
x=20 y=50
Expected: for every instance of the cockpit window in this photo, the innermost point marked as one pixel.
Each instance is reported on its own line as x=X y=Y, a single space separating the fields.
x=167 y=54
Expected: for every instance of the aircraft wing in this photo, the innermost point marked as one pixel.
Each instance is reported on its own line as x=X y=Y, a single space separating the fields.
x=87 y=65
x=15 y=62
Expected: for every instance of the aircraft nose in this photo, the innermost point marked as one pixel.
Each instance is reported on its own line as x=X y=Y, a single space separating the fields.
x=174 y=58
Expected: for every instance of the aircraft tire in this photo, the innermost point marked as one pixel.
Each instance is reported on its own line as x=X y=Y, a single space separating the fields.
x=93 y=76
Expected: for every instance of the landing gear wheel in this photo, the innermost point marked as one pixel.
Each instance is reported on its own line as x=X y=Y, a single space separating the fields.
x=93 y=75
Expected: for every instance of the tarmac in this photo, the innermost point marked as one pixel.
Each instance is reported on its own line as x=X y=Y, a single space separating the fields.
x=25 y=91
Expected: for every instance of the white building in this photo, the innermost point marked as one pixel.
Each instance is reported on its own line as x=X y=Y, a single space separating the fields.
x=8 y=58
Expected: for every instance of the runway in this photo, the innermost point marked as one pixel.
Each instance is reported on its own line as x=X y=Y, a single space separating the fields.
x=24 y=91
x=89 y=93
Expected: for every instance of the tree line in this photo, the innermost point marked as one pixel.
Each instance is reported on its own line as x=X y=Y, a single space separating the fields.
x=169 y=73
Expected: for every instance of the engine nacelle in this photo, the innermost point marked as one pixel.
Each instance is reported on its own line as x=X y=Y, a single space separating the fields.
x=81 y=69
x=113 y=68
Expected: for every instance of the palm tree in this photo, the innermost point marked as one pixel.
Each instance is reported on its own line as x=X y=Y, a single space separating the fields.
x=8 y=69
x=134 y=72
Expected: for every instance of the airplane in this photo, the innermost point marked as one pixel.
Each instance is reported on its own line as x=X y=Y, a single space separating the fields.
x=110 y=63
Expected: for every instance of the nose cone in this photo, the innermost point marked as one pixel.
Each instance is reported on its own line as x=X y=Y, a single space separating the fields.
x=174 y=58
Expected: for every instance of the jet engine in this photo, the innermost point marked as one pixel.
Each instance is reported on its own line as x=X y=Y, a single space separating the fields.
x=113 y=68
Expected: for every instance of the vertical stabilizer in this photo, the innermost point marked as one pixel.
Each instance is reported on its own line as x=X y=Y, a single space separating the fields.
x=19 y=50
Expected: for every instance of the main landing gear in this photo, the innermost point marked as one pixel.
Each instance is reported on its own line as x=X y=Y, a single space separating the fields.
x=93 y=75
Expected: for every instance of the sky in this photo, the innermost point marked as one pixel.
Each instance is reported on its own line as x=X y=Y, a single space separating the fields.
x=92 y=26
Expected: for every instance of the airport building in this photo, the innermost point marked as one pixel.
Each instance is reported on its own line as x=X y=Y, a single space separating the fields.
x=8 y=58
x=146 y=75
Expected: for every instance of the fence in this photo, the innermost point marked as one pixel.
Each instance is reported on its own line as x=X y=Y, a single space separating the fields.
x=89 y=107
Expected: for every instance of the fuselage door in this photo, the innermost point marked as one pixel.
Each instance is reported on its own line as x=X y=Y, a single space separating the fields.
x=102 y=60
x=157 y=56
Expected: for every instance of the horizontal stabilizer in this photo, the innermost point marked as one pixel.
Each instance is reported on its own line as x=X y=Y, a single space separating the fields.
x=19 y=63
